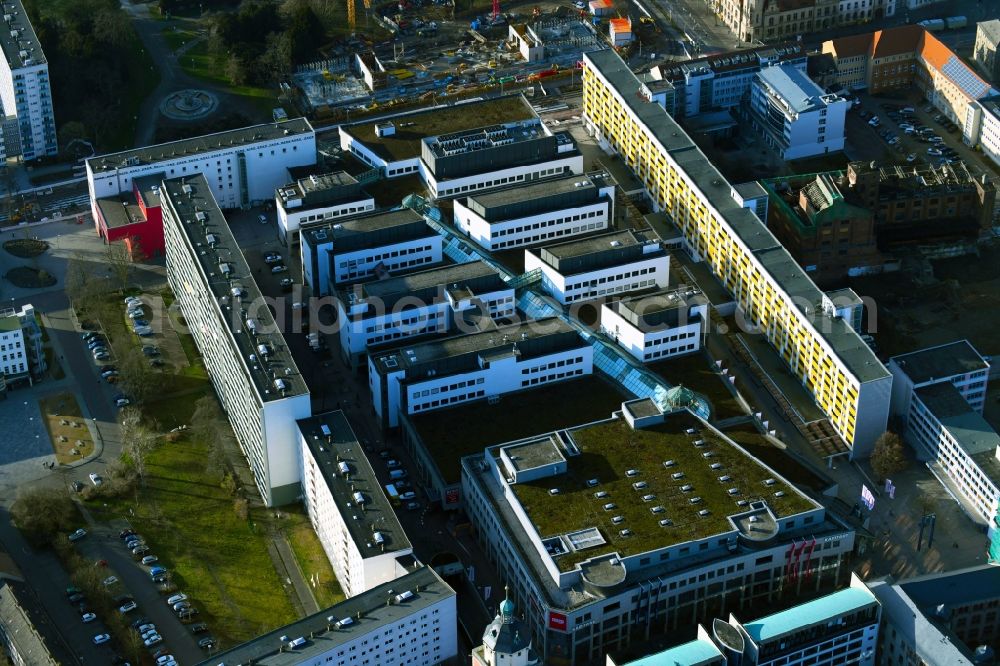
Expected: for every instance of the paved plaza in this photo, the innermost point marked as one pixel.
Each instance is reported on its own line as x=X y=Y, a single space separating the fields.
x=26 y=449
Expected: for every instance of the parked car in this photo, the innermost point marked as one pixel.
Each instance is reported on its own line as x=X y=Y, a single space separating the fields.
x=88 y=617
x=152 y=640
x=262 y=219
x=110 y=580
x=76 y=598
x=206 y=643
x=408 y=495
x=136 y=313
x=108 y=371
x=122 y=402
x=102 y=356
x=911 y=157
x=286 y=283
x=199 y=628
x=96 y=479
x=156 y=571
x=187 y=613
x=149 y=632
x=392 y=463
x=155 y=363
x=140 y=550
x=78 y=534
x=133 y=299
x=272 y=258
x=125 y=533
x=127 y=607
x=280 y=268
x=150 y=559
x=77 y=486
x=101 y=638
x=162 y=659
x=412 y=506
x=933 y=151
x=177 y=598
x=143 y=331
x=143 y=628
x=150 y=350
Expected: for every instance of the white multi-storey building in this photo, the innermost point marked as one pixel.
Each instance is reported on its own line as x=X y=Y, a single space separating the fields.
x=484 y=365
x=939 y=394
x=948 y=618
x=29 y=126
x=348 y=508
x=242 y=166
x=796 y=116
x=620 y=530
x=440 y=300
x=357 y=248
x=658 y=325
x=604 y=265
x=465 y=148
x=21 y=353
x=317 y=199
x=261 y=390
x=411 y=620
x=545 y=210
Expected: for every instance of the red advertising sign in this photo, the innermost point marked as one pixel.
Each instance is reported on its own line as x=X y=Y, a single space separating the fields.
x=557 y=621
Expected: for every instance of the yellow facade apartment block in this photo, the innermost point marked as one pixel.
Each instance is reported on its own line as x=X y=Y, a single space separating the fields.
x=846 y=380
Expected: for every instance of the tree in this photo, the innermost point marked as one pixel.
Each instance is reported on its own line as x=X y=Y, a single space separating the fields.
x=134 y=373
x=120 y=262
x=208 y=426
x=44 y=514
x=888 y=456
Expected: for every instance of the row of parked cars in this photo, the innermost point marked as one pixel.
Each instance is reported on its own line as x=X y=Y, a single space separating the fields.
x=134 y=308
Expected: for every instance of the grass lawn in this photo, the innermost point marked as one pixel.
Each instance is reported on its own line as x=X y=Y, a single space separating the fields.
x=218 y=560
x=176 y=38
x=66 y=426
x=200 y=62
x=311 y=557
x=696 y=372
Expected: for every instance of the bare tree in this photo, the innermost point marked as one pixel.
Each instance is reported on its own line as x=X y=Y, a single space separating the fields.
x=44 y=514
x=120 y=262
x=136 y=377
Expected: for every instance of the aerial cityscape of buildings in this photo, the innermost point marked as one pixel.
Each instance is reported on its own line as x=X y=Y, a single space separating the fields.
x=633 y=334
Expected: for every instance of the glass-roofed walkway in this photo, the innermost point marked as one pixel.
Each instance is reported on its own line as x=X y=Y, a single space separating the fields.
x=608 y=357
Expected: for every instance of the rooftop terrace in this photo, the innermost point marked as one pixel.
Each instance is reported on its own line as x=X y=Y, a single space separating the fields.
x=411 y=129
x=331 y=442
x=200 y=144
x=610 y=450
x=223 y=268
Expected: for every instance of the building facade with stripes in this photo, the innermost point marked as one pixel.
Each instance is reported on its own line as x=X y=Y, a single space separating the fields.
x=838 y=369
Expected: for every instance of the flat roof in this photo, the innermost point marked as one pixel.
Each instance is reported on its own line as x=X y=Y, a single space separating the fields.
x=536 y=190
x=20 y=45
x=972 y=432
x=794 y=87
x=368 y=610
x=954 y=588
x=594 y=244
x=941 y=362
x=609 y=449
x=200 y=144
x=694 y=653
x=341 y=445
x=318 y=190
x=514 y=417
x=817 y=611
x=149 y=189
x=842 y=339
x=413 y=128
x=119 y=211
x=656 y=310
x=343 y=228
x=211 y=243
x=520 y=339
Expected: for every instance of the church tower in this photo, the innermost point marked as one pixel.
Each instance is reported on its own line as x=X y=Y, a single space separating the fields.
x=506 y=641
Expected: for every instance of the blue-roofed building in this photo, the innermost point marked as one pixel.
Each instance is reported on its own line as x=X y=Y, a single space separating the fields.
x=796 y=116
x=700 y=652
x=839 y=628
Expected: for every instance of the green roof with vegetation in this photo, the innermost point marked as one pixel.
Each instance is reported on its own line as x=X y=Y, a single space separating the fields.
x=412 y=129
x=515 y=416
x=610 y=449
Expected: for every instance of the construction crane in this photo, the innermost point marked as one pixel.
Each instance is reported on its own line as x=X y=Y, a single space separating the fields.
x=350 y=14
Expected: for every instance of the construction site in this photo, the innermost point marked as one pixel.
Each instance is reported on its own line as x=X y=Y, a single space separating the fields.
x=433 y=54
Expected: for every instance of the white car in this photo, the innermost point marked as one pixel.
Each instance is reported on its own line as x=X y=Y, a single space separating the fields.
x=128 y=608
x=101 y=638
x=152 y=640
x=280 y=268
x=176 y=599
x=96 y=479
x=110 y=580
x=122 y=402
x=88 y=617
x=77 y=535
x=162 y=659
x=262 y=219
x=133 y=300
